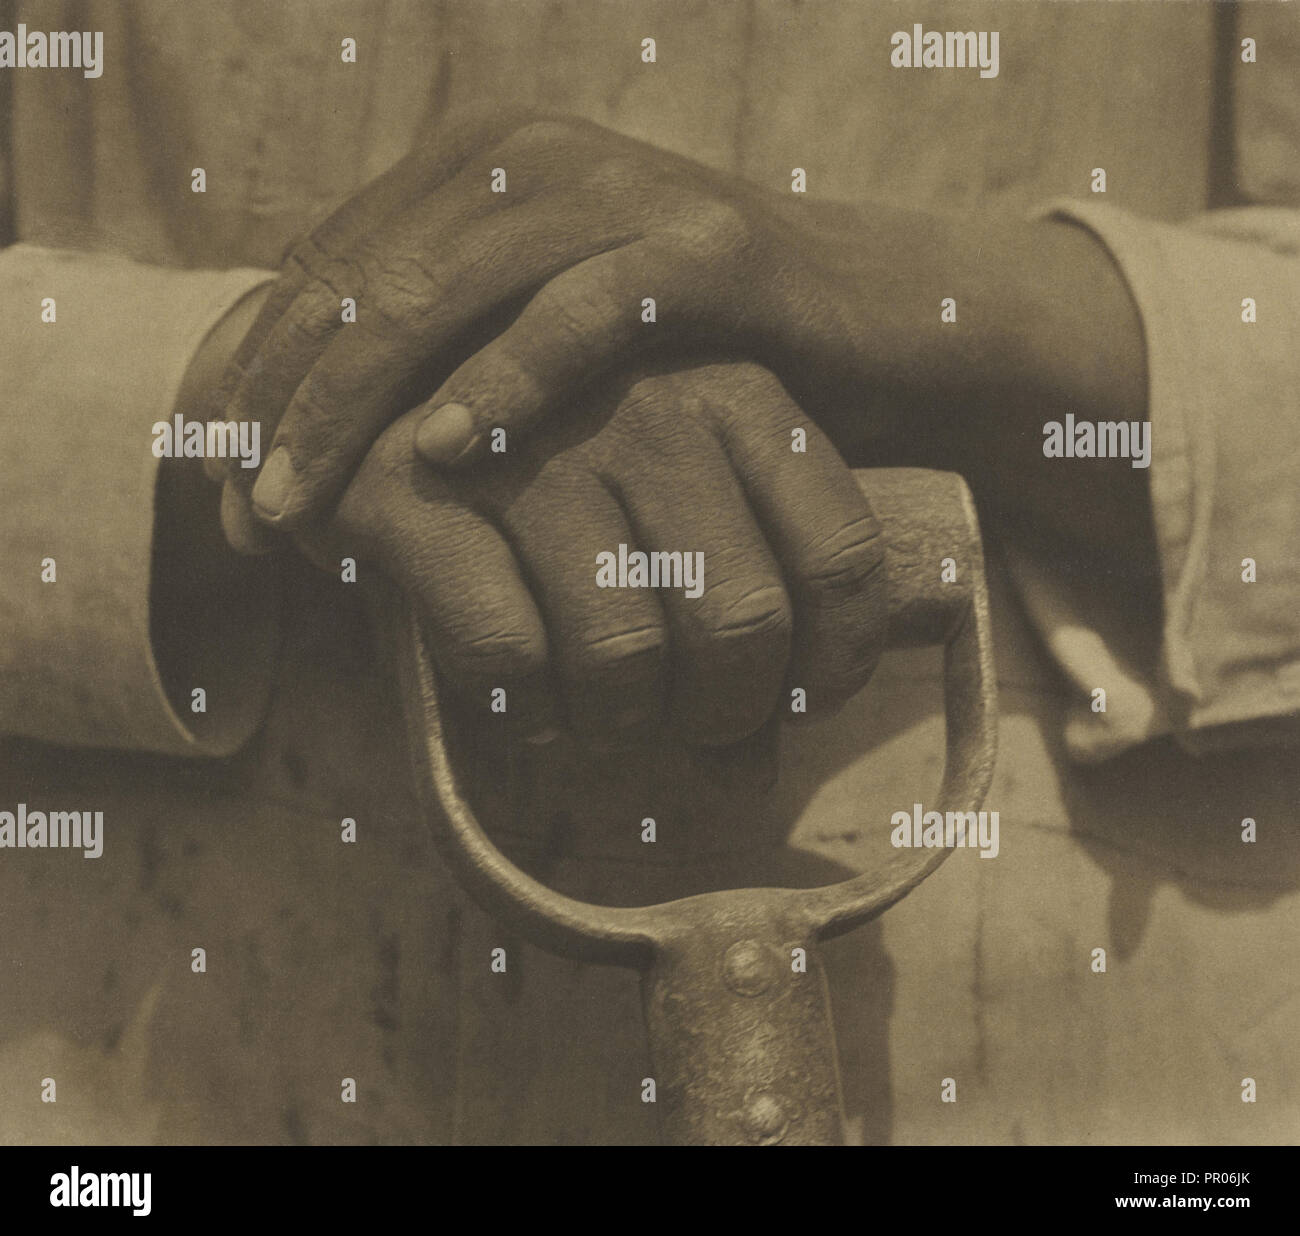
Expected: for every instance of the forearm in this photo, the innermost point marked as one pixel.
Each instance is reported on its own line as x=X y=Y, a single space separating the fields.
x=1044 y=326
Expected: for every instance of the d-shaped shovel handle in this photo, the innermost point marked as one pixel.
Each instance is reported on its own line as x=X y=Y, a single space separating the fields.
x=734 y=993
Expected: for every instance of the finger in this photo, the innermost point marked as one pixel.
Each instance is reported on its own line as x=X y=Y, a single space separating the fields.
x=488 y=634
x=826 y=538
x=607 y=642
x=362 y=213
x=580 y=323
x=729 y=620
x=370 y=373
x=389 y=193
x=303 y=327
x=290 y=345
x=243 y=533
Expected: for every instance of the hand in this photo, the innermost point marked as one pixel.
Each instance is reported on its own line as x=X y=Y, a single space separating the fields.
x=504 y=560
x=500 y=305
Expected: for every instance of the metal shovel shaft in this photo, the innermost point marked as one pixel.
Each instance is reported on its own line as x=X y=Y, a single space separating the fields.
x=741 y=1037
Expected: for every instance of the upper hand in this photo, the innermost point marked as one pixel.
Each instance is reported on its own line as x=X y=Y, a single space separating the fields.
x=485 y=309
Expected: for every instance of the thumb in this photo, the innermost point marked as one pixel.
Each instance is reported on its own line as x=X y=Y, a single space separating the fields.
x=576 y=327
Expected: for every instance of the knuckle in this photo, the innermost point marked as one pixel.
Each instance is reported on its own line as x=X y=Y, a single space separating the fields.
x=339 y=276
x=653 y=417
x=599 y=656
x=618 y=172
x=409 y=293
x=405 y=278
x=564 y=309
x=578 y=308
x=846 y=562
x=642 y=408
x=540 y=132
x=712 y=228
x=308 y=324
x=309 y=255
x=736 y=392
x=751 y=379
x=754 y=617
x=501 y=653
x=503 y=375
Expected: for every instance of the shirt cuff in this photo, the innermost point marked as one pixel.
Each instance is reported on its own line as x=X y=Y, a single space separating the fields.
x=1224 y=406
x=93 y=349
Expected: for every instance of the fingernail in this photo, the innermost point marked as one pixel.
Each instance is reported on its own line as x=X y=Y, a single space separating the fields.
x=445 y=434
x=276 y=484
x=543 y=737
x=243 y=533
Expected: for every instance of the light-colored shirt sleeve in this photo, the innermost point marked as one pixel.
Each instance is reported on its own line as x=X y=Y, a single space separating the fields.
x=1224 y=406
x=81 y=395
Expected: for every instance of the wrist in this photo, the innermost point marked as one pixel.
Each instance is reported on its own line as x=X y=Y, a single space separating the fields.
x=1045 y=325
x=875 y=360
x=973 y=331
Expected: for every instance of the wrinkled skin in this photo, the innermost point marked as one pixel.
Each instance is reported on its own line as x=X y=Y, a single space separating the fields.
x=514 y=305
x=503 y=560
x=506 y=304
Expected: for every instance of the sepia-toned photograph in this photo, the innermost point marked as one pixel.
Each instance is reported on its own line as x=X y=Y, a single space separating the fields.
x=650 y=573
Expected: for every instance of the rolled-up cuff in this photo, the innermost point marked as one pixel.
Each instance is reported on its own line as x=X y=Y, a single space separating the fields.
x=1217 y=298
x=93 y=350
